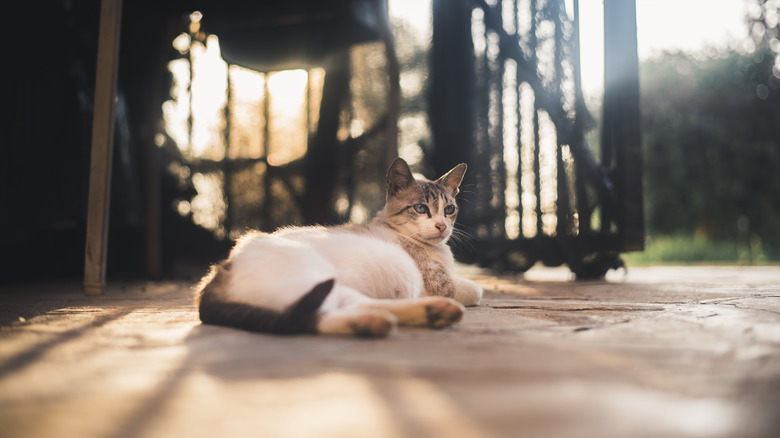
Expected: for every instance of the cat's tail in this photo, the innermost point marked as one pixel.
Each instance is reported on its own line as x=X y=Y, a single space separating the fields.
x=300 y=317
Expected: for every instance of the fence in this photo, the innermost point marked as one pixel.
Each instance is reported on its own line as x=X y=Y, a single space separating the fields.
x=506 y=98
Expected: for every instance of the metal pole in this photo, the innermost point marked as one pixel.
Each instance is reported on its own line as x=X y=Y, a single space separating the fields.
x=622 y=151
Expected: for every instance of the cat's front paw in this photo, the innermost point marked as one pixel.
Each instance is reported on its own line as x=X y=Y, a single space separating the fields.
x=467 y=292
x=443 y=312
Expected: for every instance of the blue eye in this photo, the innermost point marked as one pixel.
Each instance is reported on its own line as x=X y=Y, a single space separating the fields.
x=449 y=209
x=421 y=208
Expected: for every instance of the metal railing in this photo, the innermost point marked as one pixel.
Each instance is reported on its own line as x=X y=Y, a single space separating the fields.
x=506 y=98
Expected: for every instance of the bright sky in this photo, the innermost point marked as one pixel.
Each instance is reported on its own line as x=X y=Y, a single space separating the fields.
x=661 y=25
x=688 y=25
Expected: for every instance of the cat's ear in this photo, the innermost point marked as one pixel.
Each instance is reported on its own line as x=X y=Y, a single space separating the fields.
x=452 y=179
x=399 y=176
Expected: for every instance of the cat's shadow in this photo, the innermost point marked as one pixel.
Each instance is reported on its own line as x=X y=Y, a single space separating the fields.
x=228 y=354
x=233 y=354
x=386 y=371
x=379 y=370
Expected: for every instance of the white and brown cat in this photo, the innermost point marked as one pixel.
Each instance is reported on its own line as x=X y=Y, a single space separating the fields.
x=360 y=280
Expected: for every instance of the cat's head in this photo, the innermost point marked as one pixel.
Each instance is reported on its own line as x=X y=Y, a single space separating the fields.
x=420 y=209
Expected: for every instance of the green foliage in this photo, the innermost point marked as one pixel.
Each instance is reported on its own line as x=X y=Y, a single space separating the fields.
x=685 y=249
x=711 y=141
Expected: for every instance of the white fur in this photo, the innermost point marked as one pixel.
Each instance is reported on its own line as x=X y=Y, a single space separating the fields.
x=275 y=270
x=377 y=283
x=467 y=292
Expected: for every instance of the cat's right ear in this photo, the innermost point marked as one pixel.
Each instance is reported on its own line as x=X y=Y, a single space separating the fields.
x=452 y=179
x=399 y=176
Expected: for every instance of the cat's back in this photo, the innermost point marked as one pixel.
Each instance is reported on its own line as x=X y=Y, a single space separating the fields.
x=366 y=258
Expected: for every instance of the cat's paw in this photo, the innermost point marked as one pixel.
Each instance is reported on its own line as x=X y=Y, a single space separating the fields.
x=443 y=312
x=373 y=325
x=467 y=292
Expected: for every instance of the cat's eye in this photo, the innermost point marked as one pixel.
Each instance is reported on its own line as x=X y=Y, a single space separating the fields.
x=449 y=209
x=421 y=208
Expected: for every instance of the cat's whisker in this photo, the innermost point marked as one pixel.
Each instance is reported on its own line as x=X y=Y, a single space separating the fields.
x=457 y=232
x=461 y=239
x=462 y=227
x=408 y=238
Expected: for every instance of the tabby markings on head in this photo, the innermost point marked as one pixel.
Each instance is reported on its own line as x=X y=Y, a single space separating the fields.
x=435 y=200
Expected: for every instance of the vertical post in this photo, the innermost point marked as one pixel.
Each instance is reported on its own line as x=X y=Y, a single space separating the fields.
x=227 y=164
x=102 y=146
x=394 y=85
x=453 y=99
x=452 y=95
x=496 y=133
x=583 y=209
x=621 y=141
x=267 y=196
x=322 y=166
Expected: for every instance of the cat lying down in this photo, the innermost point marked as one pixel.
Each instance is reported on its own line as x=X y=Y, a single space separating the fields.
x=359 y=280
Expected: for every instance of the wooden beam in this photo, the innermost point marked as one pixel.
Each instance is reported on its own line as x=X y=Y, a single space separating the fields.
x=102 y=146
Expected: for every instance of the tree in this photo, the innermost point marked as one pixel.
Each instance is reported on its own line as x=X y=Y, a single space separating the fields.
x=712 y=146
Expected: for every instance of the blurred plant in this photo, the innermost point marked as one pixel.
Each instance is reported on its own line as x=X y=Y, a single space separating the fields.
x=712 y=142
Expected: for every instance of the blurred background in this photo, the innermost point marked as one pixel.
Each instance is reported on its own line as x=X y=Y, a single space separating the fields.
x=254 y=115
x=709 y=81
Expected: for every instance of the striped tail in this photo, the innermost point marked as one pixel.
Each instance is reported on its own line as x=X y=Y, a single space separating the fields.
x=299 y=318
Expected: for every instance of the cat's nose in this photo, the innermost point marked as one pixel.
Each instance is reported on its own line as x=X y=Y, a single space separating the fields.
x=440 y=226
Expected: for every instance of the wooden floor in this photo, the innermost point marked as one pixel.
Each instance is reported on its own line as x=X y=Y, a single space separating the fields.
x=657 y=352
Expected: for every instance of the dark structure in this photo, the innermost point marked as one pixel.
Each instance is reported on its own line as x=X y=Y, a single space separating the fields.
x=264 y=37
x=539 y=193
x=504 y=97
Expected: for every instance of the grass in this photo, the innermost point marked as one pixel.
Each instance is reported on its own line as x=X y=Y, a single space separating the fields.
x=693 y=250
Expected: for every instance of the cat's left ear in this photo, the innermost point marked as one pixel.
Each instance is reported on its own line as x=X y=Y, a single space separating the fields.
x=452 y=179
x=399 y=176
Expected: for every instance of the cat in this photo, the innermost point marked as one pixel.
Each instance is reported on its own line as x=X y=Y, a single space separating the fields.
x=352 y=279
